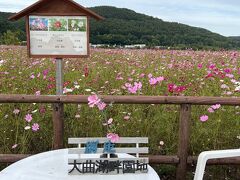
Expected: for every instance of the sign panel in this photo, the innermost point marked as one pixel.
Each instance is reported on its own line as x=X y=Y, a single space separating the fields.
x=58 y=35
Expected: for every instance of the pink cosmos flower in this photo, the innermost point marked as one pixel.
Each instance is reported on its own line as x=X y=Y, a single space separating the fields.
x=233 y=81
x=212 y=66
x=128 y=85
x=160 y=78
x=93 y=100
x=37 y=93
x=171 y=87
x=113 y=137
x=204 y=118
x=153 y=81
x=50 y=86
x=126 y=118
x=35 y=127
x=133 y=89
x=32 y=76
x=16 y=111
x=119 y=78
x=209 y=75
x=14 y=146
x=180 y=89
x=228 y=93
x=45 y=72
x=150 y=75
x=101 y=106
x=217 y=106
x=200 y=66
x=230 y=75
x=110 y=121
x=28 y=118
x=211 y=110
x=227 y=70
x=138 y=85
x=130 y=79
x=141 y=75
x=42 y=110
x=224 y=86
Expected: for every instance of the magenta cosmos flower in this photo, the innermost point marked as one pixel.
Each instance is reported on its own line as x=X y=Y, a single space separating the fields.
x=101 y=106
x=204 y=118
x=217 y=106
x=28 y=118
x=35 y=127
x=211 y=110
x=113 y=137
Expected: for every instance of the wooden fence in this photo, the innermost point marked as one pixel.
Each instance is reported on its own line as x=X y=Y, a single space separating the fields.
x=181 y=160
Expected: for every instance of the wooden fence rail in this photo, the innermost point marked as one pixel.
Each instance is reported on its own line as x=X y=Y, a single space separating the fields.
x=181 y=160
x=78 y=99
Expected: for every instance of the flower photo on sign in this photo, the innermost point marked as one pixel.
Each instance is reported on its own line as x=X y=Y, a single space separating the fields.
x=38 y=24
x=57 y=24
x=77 y=25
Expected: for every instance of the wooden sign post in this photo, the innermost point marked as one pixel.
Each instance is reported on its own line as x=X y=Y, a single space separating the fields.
x=57 y=29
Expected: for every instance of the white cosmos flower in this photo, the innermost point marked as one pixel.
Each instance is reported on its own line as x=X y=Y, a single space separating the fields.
x=88 y=90
x=66 y=90
x=237 y=88
x=77 y=86
x=1 y=62
x=27 y=128
x=34 y=111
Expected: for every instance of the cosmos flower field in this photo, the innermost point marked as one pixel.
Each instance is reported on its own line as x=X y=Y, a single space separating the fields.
x=27 y=128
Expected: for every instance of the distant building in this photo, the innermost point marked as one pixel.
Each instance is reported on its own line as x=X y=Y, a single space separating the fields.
x=133 y=46
x=99 y=45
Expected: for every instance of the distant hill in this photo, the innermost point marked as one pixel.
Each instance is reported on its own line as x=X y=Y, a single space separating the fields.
x=235 y=37
x=123 y=26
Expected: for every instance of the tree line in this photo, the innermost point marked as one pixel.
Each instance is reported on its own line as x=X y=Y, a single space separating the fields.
x=123 y=27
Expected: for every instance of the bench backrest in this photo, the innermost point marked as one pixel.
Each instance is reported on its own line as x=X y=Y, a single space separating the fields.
x=81 y=142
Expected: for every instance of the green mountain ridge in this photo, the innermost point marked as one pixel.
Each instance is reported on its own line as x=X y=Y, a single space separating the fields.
x=122 y=26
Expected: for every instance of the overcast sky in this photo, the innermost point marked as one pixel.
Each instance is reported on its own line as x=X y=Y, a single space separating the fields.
x=221 y=16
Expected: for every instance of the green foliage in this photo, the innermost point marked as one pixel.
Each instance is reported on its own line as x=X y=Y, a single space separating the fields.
x=10 y=37
x=6 y=25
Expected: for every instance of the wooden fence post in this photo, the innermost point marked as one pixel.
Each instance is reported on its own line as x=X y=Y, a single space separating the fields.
x=58 y=125
x=58 y=108
x=183 y=141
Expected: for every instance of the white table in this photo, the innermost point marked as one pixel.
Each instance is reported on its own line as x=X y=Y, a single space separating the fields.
x=53 y=165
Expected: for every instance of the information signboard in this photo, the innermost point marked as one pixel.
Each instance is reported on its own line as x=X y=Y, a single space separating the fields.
x=61 y=36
